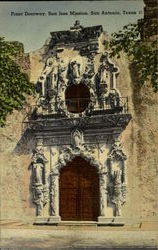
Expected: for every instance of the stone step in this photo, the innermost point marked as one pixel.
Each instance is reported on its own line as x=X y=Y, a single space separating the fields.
x=77 y=223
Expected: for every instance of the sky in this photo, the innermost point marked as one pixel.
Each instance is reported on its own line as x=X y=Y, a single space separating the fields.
x=34 y=30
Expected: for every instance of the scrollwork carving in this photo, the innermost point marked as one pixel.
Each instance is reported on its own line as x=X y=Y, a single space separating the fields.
x=117 y=152
x=68 y=153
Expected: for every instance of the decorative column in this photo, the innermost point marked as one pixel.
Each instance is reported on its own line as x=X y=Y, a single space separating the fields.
x=117 y=188
x=54 y=198
x=103 y=198
x=39 y=181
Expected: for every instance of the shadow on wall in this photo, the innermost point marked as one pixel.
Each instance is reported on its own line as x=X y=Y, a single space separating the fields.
x=30 y=199
x=25 y=146
x=26 y=143
x=136 y=88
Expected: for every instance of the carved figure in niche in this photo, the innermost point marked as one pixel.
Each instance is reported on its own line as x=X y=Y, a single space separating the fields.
x=114 y=98
x=38 y=172
x=103 y=73
x=54 y=75
x=103 y=83
x=60 y=100
x=42 y=79
x=39 y=186
x=38 y=198
x=77 y=137
x=75 y=69
x=62 y=71
x=52 y=195
x=89 y=71
x=117 y=197
x=117 y=185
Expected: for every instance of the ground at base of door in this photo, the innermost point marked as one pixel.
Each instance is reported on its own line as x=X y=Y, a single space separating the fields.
x=22 y=239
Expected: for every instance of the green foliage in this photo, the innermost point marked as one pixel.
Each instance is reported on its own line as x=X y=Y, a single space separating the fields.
x=14 y=84
x=143 y=54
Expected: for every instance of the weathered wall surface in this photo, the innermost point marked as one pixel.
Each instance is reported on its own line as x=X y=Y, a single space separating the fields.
x=15 y=174
x=140 y=144
x=139 y=141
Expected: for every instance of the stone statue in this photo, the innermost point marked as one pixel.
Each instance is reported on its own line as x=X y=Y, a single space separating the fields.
x=47 y=69
x=114 y=99
x=54 y=75
x=39 y=185
x=62 y=71
x=117 y=186
x=75 y=69
x=38 y=198
x=38 y=172
x=77 y=139
x=103 y=73
x=117 y=197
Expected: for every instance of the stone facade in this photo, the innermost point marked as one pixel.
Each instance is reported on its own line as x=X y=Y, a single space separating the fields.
x=52 y=135
x=93 y=132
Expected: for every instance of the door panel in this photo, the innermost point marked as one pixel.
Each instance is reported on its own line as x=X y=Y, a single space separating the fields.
x=79 y=191
x=69 y=204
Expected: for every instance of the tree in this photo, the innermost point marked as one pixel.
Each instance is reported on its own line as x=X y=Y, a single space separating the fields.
x=14 y=84
x=142 y=54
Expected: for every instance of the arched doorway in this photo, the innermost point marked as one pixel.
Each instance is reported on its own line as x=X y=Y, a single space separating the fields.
x=79 y=191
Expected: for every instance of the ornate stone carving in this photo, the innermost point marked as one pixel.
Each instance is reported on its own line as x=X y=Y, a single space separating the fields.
x=103 y=72
x=39 y=181
x=75 y=60
x=117 y=177
x=103 y=193
x=62 y=72
x=49 y=69
x=89 y=73
x=58 y=75
x=77 y=139
x=117 y=194
x=114 y=99
x=75 y=69
x=53 y=193
x=76 y=34
x=68 y=153
x=117 y=152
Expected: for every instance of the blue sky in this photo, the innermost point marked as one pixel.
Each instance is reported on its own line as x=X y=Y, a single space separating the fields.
x=32 y=31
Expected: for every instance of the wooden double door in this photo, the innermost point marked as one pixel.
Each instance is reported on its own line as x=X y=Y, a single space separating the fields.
x=79 y=191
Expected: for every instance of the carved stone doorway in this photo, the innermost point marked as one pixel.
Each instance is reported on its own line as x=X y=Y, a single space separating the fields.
x=79 y=191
